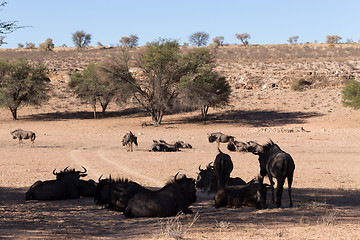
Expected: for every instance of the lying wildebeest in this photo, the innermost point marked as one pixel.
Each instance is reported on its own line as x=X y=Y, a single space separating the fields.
x=206 y=180
x=181 y=144
x=66 y=186
x=128 y=140
x=162 y=146
x=173 y=198
x=275 y=163
x=252 y=194
x=22 y=134
x=114 y=194
x=220 y=138
x=223 y=166
x=87 y=188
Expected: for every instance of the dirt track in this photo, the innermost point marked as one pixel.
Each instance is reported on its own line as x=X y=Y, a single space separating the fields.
x=323 y=142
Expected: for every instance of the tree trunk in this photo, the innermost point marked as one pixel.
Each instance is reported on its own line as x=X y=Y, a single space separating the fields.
x=157 y=116
x=94 y=109
x=104 y=106
x=204 y=111
x=14 y=113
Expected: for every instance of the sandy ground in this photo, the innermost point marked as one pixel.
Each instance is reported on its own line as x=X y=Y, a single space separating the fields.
x=321 y=135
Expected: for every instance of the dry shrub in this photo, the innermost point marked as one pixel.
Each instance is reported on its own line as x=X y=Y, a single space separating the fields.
x=300 y=84
x=173 y=228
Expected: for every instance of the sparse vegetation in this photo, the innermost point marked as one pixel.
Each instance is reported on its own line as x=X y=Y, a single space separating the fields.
x=30 y=45
x=351 y=94
x=22 y=84
x=300 y=84
x=199 y=39
x=174 y=228
x=6 y=27
x=81 y=39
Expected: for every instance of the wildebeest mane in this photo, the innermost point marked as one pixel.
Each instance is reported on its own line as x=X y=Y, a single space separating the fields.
x=267 y=146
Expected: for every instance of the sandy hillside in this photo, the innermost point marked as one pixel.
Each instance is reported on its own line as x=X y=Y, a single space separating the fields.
x=321 y=135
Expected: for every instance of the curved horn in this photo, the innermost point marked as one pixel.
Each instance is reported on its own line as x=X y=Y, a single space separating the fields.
x=84 y=170
x=100 y=178
x=65 y=169
x=176 y=176
x=199 y=168
x=54 y=172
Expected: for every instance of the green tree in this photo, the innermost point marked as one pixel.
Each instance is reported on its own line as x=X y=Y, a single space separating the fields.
x=131 y=41
x=22 y=84
x=199 y=39
x=351 y=94
x=81 y=39
x=87 y=85
x=243 y=37
x=203 y=86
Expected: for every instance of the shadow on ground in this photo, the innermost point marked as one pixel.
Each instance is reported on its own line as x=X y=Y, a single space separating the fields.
x=81 y=218
x=253 y=118
x=57 y=116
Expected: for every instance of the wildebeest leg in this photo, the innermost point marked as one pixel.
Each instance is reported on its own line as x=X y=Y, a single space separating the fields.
x=131 y=147
x=290 y=179
x=272 y=188
x=279 y=191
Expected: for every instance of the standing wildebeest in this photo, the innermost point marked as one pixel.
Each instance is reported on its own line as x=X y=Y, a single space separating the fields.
x=128 y=140
x=276 y=163
x=251 y=194
x=173 y=198
x=114 y=194
x=223 y=166
x=220 y=138
x=206 y=180
x=66 y=186
x=22 y=134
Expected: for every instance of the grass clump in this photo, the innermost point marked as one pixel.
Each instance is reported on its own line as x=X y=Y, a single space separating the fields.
x=300 y=84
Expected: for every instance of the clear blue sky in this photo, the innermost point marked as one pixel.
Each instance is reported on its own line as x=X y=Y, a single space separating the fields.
x=267 y=21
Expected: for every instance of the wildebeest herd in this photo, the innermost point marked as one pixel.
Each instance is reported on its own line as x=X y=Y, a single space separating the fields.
x=178 y=194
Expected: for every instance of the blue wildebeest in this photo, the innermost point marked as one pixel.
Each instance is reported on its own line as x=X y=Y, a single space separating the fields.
x=66 y=186
x=252 y=194
x=236 y=146
x=87 y=188
x=114 y=194
x=275 y=163
x=129 y=139
x=162 y=146
x=220 y=138
x=206 y=180
x=22 y=134
x=223 y=166
x=173 y=198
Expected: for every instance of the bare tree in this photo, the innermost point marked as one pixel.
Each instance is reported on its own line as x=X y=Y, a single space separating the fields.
x=218 y=41
x=81 y=39
x=333 y=39
x=293 y=39
x=7 y=27
x=243 y=37
x=199 y=39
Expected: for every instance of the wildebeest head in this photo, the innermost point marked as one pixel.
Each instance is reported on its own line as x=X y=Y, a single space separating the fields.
x=254 y=148
x=206 y=179
x=66 y=172
x=212 y=138
x=187 y=186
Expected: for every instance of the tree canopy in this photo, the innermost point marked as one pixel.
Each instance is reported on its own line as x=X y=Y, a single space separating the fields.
x=22 y=84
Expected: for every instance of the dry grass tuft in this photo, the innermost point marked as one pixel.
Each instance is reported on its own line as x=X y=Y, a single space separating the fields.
x=173 y=228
